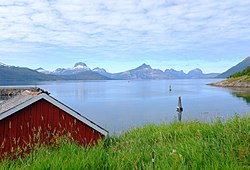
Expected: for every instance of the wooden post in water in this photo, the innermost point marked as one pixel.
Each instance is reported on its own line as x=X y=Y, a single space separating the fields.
x=179 y=108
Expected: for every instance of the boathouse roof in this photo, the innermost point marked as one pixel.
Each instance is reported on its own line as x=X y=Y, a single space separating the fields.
x=26 y=97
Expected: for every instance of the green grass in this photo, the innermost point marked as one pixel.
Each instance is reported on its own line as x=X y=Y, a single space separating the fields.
x=241 y=76
x=188 y=145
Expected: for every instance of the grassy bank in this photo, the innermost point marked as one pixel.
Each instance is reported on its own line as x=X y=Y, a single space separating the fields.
x=241 y=79
x=236 y=80
x=243 y=76
x=190 y=145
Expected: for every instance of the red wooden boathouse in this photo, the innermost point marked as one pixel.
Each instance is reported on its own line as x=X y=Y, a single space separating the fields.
x=31 y=118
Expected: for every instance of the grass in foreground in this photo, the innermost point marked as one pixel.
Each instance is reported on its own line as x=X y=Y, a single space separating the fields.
x=189 y=145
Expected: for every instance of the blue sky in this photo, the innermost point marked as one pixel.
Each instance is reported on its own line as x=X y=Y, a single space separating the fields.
x=123 y=34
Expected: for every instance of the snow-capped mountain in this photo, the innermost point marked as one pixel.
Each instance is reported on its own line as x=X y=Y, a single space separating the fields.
x=81 y=66
x=78 y=68
x=41 y=70
x=103 y=72
x=2 y=64
x=147 y=72
x=21 y=74
x=142 y=72
x=100 y=70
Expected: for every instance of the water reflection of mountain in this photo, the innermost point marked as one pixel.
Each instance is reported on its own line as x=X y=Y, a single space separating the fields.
x=242 y=94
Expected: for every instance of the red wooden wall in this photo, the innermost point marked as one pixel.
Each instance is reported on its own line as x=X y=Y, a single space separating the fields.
x=42 y=122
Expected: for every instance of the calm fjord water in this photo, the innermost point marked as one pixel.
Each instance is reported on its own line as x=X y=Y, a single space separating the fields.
x=120 y=105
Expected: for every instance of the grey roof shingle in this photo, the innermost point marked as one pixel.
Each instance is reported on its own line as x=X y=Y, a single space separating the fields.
x=16 y=100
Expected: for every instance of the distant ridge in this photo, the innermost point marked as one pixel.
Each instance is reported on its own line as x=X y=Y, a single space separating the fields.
x=15 y=74
x=12 y=74
x=142 y=72
x=80 y=71
x=237 y=68
x=78 y=68
x=146 y=72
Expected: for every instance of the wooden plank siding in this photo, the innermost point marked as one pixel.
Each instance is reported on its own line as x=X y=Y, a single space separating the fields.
x=42 y=122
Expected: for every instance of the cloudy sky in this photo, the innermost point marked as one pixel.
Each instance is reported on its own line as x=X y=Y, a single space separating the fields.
x=122 y=34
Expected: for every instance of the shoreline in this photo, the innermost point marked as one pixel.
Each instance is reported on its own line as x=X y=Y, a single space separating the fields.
x=233 y=84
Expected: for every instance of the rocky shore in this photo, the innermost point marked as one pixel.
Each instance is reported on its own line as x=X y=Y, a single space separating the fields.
x=13 y=91
x=233 y=84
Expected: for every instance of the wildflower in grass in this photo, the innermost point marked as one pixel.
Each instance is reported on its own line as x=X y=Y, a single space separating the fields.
x=173 y=152
x=178 y=157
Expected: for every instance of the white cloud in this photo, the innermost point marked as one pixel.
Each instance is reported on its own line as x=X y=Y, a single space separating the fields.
x=120 y=25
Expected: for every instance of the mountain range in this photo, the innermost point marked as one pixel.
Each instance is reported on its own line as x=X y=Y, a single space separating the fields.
x=142 y=72
x=80 y=71
x=12 y=74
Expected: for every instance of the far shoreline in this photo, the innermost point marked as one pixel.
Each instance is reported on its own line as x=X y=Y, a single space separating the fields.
x=229 y=84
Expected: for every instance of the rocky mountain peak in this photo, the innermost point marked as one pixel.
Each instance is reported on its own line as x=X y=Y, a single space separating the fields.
x=143 y=66
x=196 y=73
x=42 y=70
x=39 y=69
x=81 y=66
x=2 y=64
x=97 y=69
x=197 y=70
